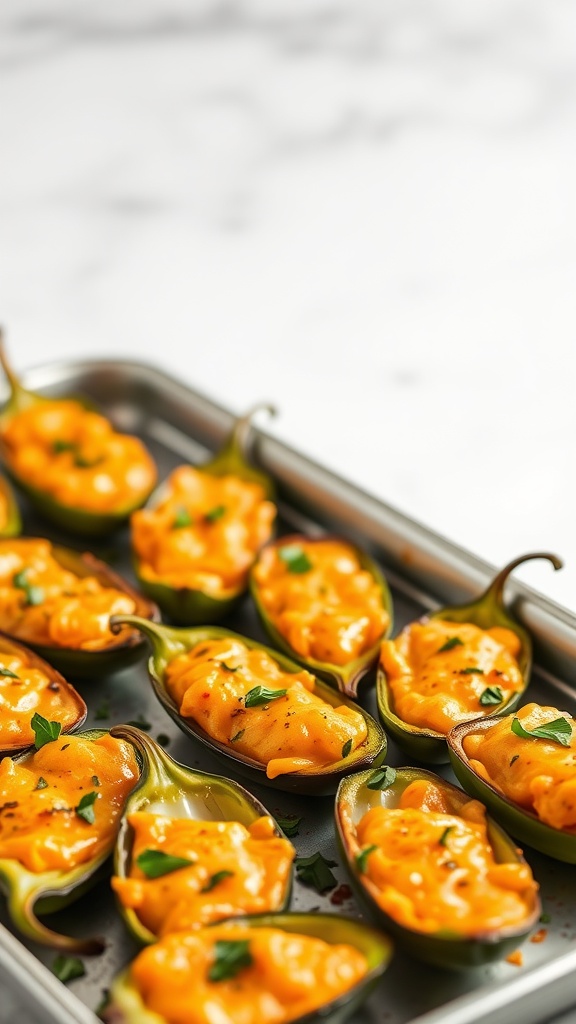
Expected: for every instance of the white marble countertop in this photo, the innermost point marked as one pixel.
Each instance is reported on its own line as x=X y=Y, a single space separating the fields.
x=361 y=209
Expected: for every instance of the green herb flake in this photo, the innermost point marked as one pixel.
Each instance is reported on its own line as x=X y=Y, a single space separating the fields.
x=60 y=445
x=83 y=462
x=215 y=513
x=163 y=739
x=444 y=837
x=85 y=809
x=450 y=644
x=34 y=595
x=7 y=673
x=472 y=671
x=346 y=749
x=44 y=731
x=261 y=695
x=237 y=736
x=102 y=711
x=215 y=880
x=155 y=863
x=182 y=519
x=95 y=780
x=289 y=825
x=315 y=871
x=140 y=723
x=544 y=918
x=491 y=695
x=41 y=784
x=295 y=558
x=230 y=957
x=228 y=668
x=515 y=758
x=362 y=858
x=66 y=968
x=558 y=731
x=382 y=778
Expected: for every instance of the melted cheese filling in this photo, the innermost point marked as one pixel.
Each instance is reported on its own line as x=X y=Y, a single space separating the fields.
x=433 y=870
x=296 y=731
x=233 y=870
x=434 y=688
x=204 y=532
x=289 y=975
x=536 y=774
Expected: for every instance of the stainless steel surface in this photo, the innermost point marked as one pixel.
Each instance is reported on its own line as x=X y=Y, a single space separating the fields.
x=424 y=570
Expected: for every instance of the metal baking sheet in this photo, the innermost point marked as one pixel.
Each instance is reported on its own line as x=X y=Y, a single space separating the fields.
x=425 y=570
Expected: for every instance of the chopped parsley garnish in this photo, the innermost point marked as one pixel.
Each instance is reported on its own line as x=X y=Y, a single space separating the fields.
x=34 y=595
x=102 y=711
x=95 y=780
x=163 y=739
x=44 y=731
x=315 y=871
x=41 y=784
x=66 y=968
x=362 y=858
x=155 y=863
x=261 y=695
x=140 y=723
x=230 y=957
x=558 y=731
x=445 y=834
x=472 y=671
x=346 y=749
x=450 y=644
x=7 y=673
x=85 y=809
x=59 y=446
x=215 y=513
x=237 y=736
x=491 y=695
x=515 y=758
x=295 y=558
x=182 y=519
x=215 y=880
x=289 y=826
x=382 y=778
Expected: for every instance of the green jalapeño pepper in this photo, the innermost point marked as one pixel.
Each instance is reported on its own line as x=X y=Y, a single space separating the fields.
x=459 y=663
x=261 y=717
x=195 y=540
x=127 y=1006
x=10 y=522
x=173 y=791
x=413 y=911
x=325 y=603
x=63 y=602
x=30 y=686
x=74 y=468
x=537 y=746
x=78 y=798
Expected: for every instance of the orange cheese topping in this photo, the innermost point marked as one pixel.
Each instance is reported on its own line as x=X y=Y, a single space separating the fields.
x=296 y=731
x=332 y=611
x=77 y=457
x=537 y=774
x=41 y=827
x=24 y=691
x=433 y=869
x=204 y=532
x=288 y=975
x=254 y=861
x=434 y=688
x=43 y=603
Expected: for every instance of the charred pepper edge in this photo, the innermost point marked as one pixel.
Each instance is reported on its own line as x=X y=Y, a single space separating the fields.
x=487 y=610
x=168 y=642
x=345 y=678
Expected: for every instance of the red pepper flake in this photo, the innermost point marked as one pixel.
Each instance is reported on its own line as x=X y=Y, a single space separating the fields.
x=516 y=959
x=341 y=894
x=539 y=936
x=205 y=695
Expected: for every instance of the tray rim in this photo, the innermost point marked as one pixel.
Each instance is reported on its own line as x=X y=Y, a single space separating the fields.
x=531 y=997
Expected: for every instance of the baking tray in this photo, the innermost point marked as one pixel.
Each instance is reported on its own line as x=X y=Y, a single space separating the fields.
x=424 y=570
